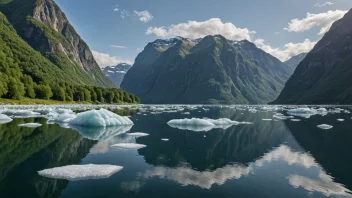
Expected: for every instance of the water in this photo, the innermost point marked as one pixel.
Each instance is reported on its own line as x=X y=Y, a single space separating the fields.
x=278 y=158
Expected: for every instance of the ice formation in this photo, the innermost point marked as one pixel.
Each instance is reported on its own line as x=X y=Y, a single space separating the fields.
x=20 y=113
x=267 y=119
x=193 y=122
x=340 y=120
x=4 y=119
x=137 y=134
x=100 y=118
x=165 y=139
x=81 y=172
x=30 y=125
x=128 y=146
x=325 y=126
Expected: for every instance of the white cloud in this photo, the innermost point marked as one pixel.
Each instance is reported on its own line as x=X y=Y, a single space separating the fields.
x=116 y=9
x=328 y=3
x=118 y=46
x=289 y=49
x=323 y=20
x=144 y=16
x=106 y=60
x=124 y=13
x=199 y=29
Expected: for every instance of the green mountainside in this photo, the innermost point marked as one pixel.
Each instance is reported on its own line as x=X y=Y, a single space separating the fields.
x=208 y=70
x=45 y=28
x=323 y=77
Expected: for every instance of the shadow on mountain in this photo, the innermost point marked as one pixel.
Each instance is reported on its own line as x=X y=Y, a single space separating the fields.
x=214 y=149
x=26 y=151
x=330 y=148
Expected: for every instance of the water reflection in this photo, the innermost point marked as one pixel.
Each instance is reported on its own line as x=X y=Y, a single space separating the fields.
x=100 y=133
x=24 y=151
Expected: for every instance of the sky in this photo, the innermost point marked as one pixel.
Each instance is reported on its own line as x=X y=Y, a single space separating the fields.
x=117 y=30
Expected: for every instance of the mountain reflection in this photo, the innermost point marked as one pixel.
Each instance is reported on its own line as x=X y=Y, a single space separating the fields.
x=216 y=148
x=25 y=151
x=331 y=149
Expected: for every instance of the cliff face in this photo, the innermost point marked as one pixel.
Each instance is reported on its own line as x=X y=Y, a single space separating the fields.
x=323 y=77
x=43 y=25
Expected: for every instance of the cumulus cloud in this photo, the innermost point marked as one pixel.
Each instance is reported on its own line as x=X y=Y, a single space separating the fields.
x=328 y=3
x=323 y=20
x=199 y=29
x=106 y=60
x=289 y=50
x=144 y=16
x=116 y=9
x=118 y=46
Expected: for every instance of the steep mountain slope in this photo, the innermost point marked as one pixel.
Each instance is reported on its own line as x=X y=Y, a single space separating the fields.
x=208 y=70
x=45 y=27
x=295 y=60
x=116 y=73
x=324 y=76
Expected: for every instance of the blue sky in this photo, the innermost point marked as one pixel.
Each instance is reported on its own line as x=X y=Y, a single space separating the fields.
x=117 y=30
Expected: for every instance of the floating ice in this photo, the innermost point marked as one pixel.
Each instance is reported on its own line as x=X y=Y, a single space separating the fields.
x=63 y=117
x=81 y=172
x=223 y=121
x=137 y=134
x=193 y=127
x=340 y=120
x=295 y=120
x=193 y=122
x=30 y=125
x=267 y=119
x=128 y=146
x=325 y=126
x=164 y=139
x=4 y=119
x=280 y=116
x=186 y=113
x=20 y=113
x=302 y=112
x=100 y=118
x=99 y=133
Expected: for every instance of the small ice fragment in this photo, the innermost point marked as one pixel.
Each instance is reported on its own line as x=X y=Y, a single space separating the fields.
x=4 y=119
x=295 y=120
x=30 y=125
x=186 y=113
x=205 y=136
x=129 y=146
x=267 y=119
x=340 y=120
x=164 y=139
x=100 y=118
x=325 y=126
x=80 y=172
x=137 y=134
x=193 y=121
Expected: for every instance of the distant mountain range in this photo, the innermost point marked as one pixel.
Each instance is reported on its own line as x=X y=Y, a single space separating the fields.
x=324 y=75
x=208 y=70
x=116 y=73
x=295 y=60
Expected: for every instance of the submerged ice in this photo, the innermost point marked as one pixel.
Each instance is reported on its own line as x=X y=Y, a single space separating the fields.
x=80 y=172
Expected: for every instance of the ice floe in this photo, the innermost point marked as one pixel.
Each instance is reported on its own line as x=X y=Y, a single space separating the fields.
x=4 y=119
x=340 y=120
x=100 y=118
x=128 y=146
x=281 y=116
x=302 y=112
x=264 y=119
x=295 y=120
x=137 y=134
x=165 y=139
x=325 y=126
x=30 y=125
x=81 y=172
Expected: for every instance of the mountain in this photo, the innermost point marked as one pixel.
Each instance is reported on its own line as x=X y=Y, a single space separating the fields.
x=43 y=25
x=323 y=77
x=116 y=73
x=295 y=60
x=208 y=70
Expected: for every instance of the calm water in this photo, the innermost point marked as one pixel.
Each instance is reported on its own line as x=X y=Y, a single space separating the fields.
x=266 y=159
